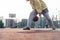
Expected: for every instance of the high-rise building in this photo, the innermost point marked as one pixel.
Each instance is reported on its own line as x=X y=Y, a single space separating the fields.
x=22 y=24
x=19 y=25
x=11 y=23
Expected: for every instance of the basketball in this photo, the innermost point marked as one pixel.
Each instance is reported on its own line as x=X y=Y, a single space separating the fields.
x=35 y=18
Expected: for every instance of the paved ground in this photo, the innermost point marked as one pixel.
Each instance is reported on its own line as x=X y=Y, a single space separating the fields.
x=33 y=34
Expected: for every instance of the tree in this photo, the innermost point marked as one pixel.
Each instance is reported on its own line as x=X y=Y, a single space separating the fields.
x=1 y=24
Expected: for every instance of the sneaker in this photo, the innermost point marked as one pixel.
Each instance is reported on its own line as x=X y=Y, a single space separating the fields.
x=26 y=28
x=53 y=28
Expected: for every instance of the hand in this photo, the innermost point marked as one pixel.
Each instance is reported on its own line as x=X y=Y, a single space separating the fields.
x=39 y=14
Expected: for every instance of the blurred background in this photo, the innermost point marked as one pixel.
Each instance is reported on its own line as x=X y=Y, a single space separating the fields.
x=15 y=13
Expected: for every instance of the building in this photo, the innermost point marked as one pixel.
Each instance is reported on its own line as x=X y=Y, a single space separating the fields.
x=10 y=23
x=22 y=24
x=19 y=25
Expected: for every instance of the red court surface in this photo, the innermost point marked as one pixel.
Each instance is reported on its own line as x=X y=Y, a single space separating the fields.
x=33 y=34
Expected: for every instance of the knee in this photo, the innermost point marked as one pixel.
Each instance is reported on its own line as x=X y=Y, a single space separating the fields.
x=49 y=19
x=32 y=13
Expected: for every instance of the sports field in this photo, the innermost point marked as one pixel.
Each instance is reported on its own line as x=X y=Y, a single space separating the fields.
x=33 y=34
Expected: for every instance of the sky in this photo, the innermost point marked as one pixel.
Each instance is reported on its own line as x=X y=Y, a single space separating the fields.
x=22 y=8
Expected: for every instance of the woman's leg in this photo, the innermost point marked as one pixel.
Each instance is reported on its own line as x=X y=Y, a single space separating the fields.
x=32 y=15
x=46 y=15
x=29 y=22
